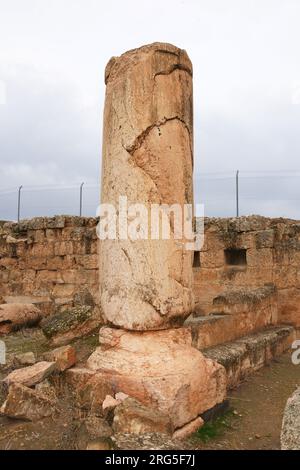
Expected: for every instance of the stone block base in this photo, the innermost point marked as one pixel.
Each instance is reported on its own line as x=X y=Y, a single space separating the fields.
x=160 y=369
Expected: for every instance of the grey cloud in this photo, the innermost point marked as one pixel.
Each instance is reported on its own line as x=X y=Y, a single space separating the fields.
x=245 y=63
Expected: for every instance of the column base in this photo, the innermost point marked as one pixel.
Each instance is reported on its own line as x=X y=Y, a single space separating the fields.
x=161 y=369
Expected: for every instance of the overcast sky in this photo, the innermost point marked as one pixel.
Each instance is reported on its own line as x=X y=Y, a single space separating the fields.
x=246 y=94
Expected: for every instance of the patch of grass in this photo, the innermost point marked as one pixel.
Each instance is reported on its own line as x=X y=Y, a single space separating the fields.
x=215 y=428
x=26 y=340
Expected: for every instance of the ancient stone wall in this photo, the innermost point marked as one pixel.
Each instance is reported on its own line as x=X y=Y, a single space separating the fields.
x=248 y=253
x=51 y=262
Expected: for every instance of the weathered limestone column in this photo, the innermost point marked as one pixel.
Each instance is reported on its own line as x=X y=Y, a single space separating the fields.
x=148 y=158
x=146 y=284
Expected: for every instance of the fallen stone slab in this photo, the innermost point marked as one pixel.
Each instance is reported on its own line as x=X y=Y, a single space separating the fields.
x=70 y=324
x=64 y=357
x=31 y=375
x=290 y=433
x=15 y=316
x=24 y=403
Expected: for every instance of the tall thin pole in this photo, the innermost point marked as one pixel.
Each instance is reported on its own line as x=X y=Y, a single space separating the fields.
x=80 y=202
x=237 y=194
x=19 y=202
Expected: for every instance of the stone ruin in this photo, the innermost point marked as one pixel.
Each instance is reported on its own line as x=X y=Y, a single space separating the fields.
x=146 y=285
x=177 y=328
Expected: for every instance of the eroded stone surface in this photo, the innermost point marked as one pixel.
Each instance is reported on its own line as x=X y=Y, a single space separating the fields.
x=52 y=263
x=24 y=403
x=92 y=391
x=30 y=375
x=133 y=417
x=236 y=313
x=159 y=368
x=271 y=249
x=64 y=357
x=78 y=377
x=245 y=355
x=147 y=157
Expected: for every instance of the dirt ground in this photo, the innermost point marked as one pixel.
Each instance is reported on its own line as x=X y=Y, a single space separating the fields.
x=257 y=408
x=253 y=422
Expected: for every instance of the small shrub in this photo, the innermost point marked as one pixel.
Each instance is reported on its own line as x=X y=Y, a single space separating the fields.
x=215 y=428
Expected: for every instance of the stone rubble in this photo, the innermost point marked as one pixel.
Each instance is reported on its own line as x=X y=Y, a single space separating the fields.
x=24 y=403
x=64 y=357
x=31 y=375
x=24 y=359
x=14 y=316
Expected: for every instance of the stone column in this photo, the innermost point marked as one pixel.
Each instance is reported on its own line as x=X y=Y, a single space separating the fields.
x=146 y=285
x=147 y=158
